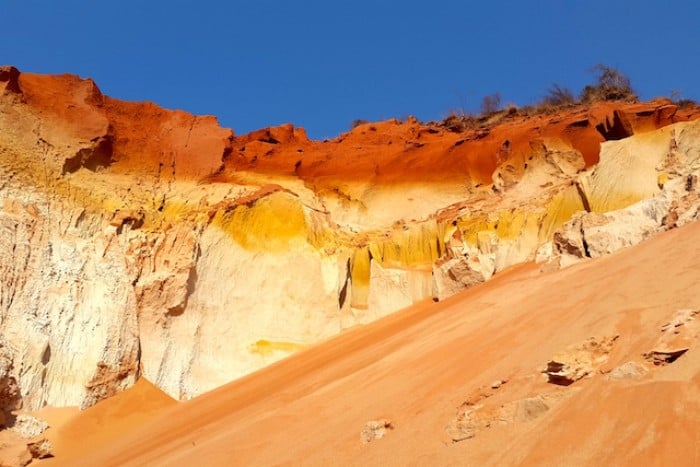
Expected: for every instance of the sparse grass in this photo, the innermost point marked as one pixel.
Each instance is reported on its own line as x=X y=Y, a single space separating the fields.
x=458 y=122
x=611 y=85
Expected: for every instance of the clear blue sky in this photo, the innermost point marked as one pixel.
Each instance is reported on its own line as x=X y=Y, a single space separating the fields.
x=321 y=64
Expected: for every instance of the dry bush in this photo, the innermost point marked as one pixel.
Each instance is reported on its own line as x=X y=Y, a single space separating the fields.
x=458 y=122
x=357 y=122
x=491 y=103
x=611 y=85
x=677 y=99
x=558 y=96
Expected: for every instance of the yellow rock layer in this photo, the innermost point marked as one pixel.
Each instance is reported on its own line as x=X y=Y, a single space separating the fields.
x=559 y=210
x=266 y=347
x=411 y=247
x=627 y=172
x=271 y=224
x=359 y=277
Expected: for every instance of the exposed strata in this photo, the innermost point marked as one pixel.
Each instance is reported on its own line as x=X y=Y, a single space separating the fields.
x=436 y=373
x=142 y=241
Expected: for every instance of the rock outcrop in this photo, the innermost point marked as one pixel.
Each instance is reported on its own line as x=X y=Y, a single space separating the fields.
x=138 y=241
x=579 y=361
x=642 y=186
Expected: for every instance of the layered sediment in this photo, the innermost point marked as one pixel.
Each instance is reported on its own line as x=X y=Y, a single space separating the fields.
x=138 y=241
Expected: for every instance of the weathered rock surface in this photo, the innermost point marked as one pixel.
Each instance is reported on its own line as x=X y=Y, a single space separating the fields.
x=643 y=186
x=578 y=361
x=10 y=396
x=629 y=370
x=375 y=429
x=40 y=449
x=678 y=335
x=472 y=419
x=138 y=241
x=28 y=426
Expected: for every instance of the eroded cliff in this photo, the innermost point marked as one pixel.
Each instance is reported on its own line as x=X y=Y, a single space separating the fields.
x=142 y=241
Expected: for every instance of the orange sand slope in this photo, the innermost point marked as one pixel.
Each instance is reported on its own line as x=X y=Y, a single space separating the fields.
x=97 y=425
x=461 y=382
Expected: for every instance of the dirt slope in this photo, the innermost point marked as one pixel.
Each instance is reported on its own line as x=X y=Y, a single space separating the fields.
x=470 y=369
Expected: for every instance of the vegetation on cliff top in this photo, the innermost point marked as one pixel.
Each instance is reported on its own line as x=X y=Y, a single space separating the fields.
x=610 y=85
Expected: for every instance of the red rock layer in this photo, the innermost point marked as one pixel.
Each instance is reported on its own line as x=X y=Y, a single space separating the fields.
x=135 y=136
x=394 y=151
x=143 y=137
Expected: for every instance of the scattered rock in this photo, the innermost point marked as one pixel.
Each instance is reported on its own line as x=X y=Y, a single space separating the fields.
x=460 y=430
x=529 y=409
x=40 y=449
x=630 y=370
x=473 y=418
x=132 y=218
x=469 y=420
x=29 y=427
x=579 y=360
x=679 y=319
x=678 y=334
x=664 y=357
x=375 y=429
x=498 y=383
x=452 y=275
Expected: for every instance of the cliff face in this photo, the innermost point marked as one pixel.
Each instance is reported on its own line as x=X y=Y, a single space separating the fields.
x=497 y=375
x=142 y=241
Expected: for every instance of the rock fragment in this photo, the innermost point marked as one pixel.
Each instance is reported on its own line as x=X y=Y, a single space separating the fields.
x=375 y=429
x=579 y=360
x=40 y=449
x=679 y=319
x=664 y=357
x=678 y=335
x=29 y=427
x=498 y=383
x=529 y=409
x=629 y=370
x=471 y=419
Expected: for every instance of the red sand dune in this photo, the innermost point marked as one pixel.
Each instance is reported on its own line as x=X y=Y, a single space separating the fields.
x=419 y=366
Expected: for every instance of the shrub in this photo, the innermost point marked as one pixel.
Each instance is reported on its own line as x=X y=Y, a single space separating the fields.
x=678 y=99
x=491 y=103
x=611 y=85
x=357 y=122
x=558 y=96
x=458 y=121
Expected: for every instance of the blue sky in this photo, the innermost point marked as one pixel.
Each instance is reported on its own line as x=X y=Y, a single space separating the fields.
x=322 y=64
